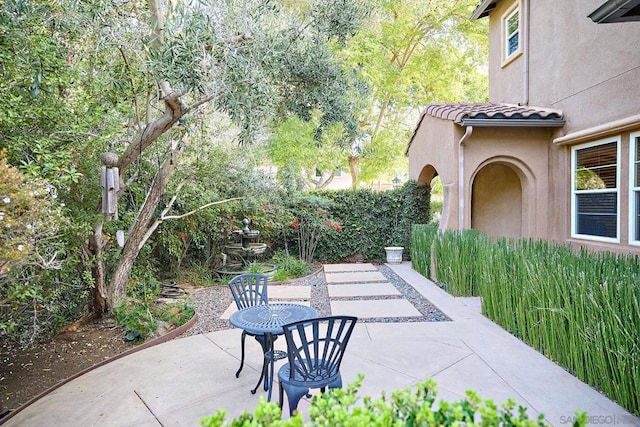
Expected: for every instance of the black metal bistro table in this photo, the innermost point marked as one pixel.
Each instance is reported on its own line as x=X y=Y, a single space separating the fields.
x=268 y=319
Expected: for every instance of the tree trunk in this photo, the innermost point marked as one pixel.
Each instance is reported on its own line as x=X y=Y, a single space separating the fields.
x=136 y=236
x=100 y=290
x=91 y=254
x=354 y=170
x=145 y=222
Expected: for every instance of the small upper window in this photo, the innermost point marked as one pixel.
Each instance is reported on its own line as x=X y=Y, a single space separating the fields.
x=511 y=33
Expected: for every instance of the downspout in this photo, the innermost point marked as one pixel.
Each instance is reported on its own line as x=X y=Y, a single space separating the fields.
x=525 y=48
x=467 y=133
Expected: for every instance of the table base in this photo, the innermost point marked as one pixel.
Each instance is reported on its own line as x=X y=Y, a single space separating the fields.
x=270 y=357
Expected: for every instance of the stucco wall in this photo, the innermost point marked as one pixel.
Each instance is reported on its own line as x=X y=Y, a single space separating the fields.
x=435 y=145
x=525 y=151
x=589 y=71
x=497 y=213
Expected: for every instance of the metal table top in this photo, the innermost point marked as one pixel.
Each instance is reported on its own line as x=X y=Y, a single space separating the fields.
x=269 y=318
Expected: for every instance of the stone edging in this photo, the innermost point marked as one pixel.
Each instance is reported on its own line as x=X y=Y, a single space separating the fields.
x=162 y=339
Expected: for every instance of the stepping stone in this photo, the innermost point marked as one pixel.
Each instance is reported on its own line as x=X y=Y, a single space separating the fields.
x=289 y=292
x=362 y=290
x=375 y=308
x=332 y=268
x=355 y=277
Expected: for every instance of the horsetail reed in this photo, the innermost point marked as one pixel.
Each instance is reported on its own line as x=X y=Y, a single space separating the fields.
x=581 y=310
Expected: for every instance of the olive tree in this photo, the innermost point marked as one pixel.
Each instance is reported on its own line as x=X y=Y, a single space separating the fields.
x=125 y=85
x=235 y=57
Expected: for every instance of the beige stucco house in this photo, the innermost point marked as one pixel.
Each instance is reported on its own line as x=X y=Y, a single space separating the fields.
x=555 y=154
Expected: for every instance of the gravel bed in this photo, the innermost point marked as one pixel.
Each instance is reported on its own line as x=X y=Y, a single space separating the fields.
x=430 y=312
x=211 y=303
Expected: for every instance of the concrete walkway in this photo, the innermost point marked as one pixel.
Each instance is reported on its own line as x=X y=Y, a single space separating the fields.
x=176 y=383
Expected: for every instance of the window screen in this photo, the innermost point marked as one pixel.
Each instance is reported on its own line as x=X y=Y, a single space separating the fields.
x=635 y=188
x=513 y=33
x=595 y=190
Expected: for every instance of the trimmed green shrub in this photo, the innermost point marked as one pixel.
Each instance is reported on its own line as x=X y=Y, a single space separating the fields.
x=372 y=220
x=408 y=407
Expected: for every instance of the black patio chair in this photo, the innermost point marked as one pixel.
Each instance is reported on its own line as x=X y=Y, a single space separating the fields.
x=249 y=290
x=315 y=349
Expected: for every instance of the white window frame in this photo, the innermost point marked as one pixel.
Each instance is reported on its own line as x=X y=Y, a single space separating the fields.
x=574 y=192
x=634 y=190
x=506 y=56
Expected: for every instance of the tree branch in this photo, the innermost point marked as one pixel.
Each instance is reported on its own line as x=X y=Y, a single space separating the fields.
x=219 y=202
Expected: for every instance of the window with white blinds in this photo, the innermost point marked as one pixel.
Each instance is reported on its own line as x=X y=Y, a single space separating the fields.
x=634 y=189
x=595 y=184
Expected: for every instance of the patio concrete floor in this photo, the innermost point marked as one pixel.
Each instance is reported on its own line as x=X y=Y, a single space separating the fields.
x=179 y=382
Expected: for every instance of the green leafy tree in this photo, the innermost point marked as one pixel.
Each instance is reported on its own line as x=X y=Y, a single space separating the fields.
x=297 y=152
x=410 y=53
x=130 y=75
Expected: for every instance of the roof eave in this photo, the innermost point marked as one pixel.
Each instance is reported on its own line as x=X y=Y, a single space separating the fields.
x=614 y=11
x=483 y=9
x=528 y=123
x=415 y=131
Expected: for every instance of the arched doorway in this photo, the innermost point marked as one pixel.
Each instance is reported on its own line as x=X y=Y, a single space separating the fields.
x=497 y=201
x=439 y=196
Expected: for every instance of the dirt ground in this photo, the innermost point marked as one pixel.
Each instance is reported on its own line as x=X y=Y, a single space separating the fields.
x=26 y=373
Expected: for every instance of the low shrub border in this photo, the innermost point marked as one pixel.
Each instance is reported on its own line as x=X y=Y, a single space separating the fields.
x=409 y=407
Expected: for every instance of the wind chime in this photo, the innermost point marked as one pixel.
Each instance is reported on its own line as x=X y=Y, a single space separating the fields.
x=110 y=183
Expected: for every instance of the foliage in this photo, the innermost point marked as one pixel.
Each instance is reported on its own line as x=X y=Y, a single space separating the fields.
x=415 y=406
x=88 y=78
x=196 y=274
x=422 y=237
x=84 y=78
x=49 y=124
x=581 y=309
x=136 y=318
x=372 y=220
x=139 y=313
x=322 y=225
x=36 y=289
x=312 y=223
x=411 y=53
x=216 y=173
x=297 y=150
x=436 y=211
x=289 y=267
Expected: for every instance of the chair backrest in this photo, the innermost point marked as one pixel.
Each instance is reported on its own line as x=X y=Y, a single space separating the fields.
x=249 y=290
x=315 y=347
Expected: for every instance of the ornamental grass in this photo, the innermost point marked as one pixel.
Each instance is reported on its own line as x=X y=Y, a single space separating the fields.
x=580 y=309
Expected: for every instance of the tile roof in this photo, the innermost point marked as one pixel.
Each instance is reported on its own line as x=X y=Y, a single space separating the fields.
x=492 y=115
x=459 y=113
